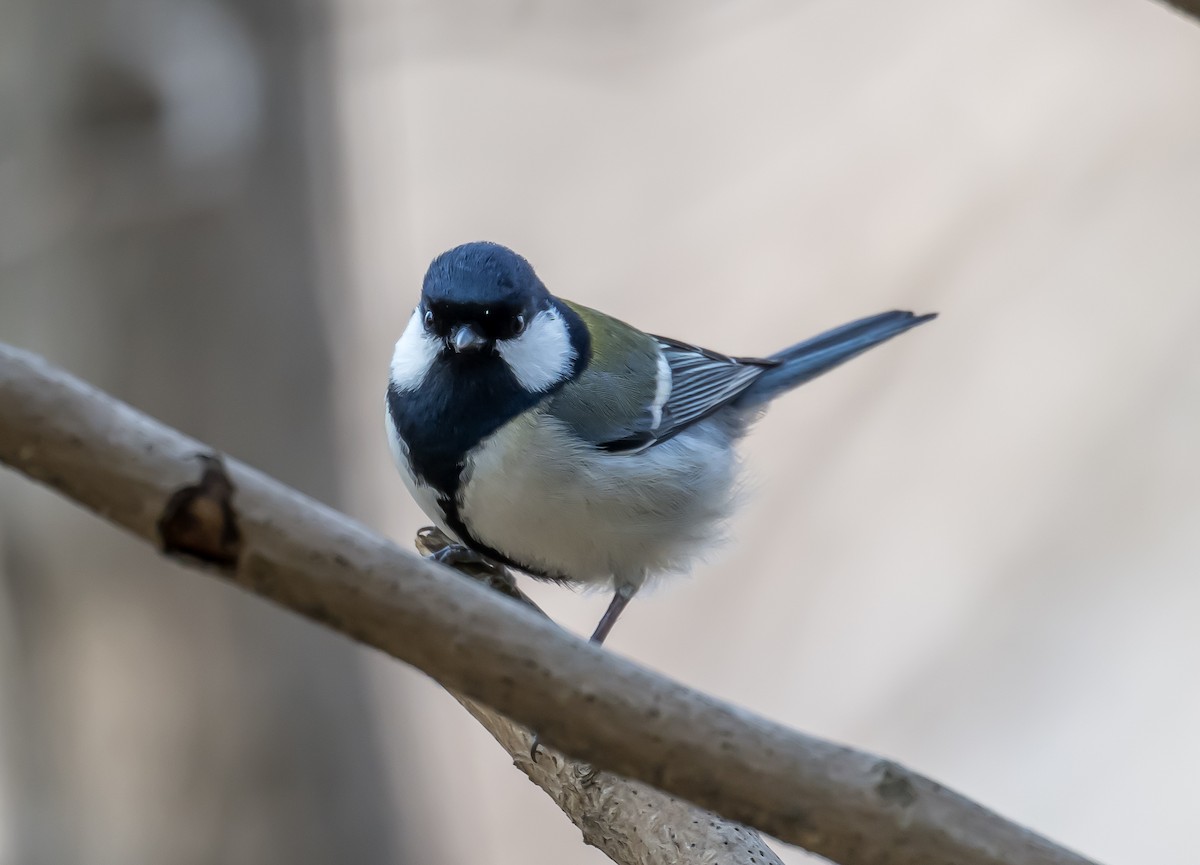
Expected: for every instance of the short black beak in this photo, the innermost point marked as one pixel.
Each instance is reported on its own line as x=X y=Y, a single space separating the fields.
x=465 y=338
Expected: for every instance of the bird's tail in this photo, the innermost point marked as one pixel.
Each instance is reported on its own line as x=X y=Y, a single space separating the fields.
x=809 y=359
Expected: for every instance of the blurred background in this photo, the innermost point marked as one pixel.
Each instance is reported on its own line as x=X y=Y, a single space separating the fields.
x=974 y=550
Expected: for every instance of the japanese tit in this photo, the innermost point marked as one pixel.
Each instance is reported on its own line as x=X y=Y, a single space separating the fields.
x=554 y=439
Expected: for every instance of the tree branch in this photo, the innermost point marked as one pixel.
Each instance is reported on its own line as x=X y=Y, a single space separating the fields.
x=1191 y=8
x=631 y=823
x=840 y=803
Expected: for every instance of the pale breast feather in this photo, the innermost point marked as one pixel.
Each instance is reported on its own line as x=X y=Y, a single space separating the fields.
x=557 y=506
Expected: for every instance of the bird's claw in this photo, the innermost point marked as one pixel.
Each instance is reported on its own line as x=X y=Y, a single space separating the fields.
x=433 y=544
x=457 y=556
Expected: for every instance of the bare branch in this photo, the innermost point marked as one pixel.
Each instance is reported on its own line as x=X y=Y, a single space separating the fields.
x=1188 y=7
x=842 y=804
x=632 y=823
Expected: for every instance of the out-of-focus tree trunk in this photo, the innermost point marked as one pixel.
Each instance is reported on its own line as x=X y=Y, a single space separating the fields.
x=159 y=163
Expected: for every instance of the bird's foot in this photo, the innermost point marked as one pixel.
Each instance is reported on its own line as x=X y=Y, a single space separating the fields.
x=436 y=547
x=458 y=556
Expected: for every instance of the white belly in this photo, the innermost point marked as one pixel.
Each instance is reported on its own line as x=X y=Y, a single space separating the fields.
x=538 y=496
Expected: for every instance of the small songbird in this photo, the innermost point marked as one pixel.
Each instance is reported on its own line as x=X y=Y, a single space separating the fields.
x=552 y=438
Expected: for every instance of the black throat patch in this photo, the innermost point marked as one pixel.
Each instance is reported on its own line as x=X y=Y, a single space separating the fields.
x=463 y=399
x=455 y=409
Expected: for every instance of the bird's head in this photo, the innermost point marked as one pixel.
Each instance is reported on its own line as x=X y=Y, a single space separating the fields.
x=481 y=303
x=479 y=295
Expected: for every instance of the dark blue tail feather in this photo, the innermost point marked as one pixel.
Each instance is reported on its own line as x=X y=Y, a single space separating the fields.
x=809 y=359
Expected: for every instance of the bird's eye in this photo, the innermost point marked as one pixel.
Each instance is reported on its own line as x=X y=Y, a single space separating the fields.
x=518 y=324
x=428 y=319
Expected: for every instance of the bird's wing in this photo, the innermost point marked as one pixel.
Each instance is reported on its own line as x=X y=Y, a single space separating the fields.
x=613 y=396
x=702 y=381
x=639 y=390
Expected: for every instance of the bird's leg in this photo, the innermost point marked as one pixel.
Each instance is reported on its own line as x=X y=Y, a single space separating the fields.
x=621 y=597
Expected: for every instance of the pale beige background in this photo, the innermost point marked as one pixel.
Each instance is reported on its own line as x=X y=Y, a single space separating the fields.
x=975 y=550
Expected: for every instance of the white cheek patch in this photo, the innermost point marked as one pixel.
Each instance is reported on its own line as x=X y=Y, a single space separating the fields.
x=415 y=353
x=542 y=355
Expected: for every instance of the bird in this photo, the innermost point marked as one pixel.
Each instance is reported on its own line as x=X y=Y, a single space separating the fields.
x=546 y=436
